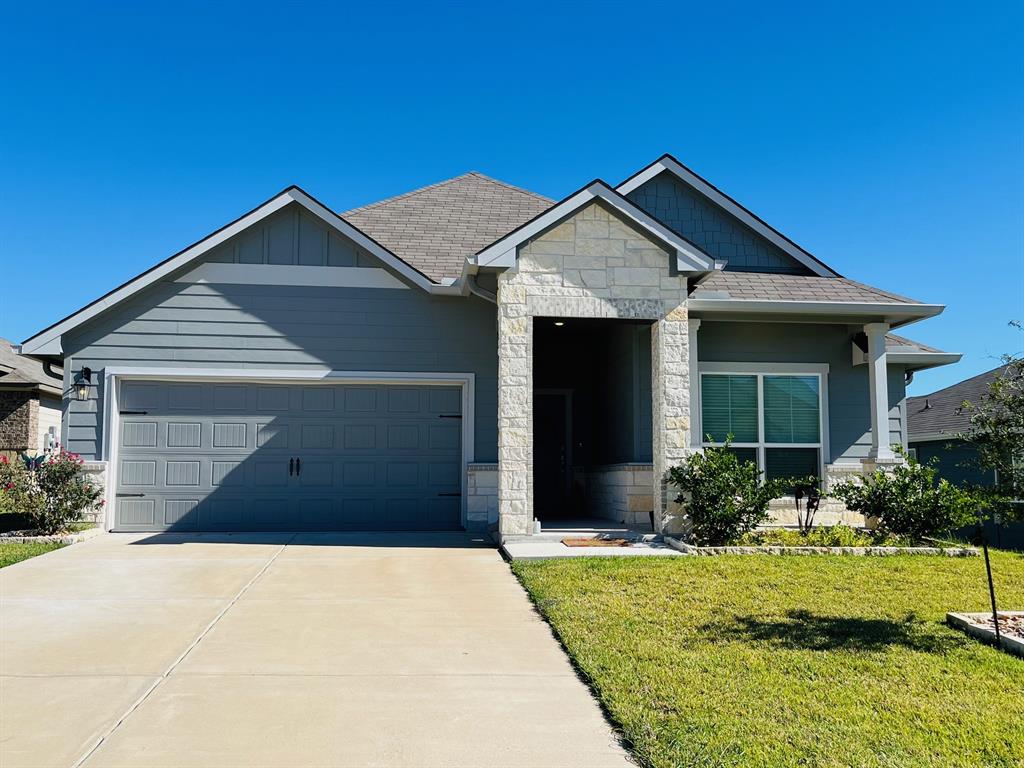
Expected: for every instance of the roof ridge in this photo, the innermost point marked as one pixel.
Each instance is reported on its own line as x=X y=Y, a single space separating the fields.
x=513 y=187
x=437 y=185
x=404 y=195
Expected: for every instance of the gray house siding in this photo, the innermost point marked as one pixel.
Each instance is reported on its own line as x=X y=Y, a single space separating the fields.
x=696 y=218
x=181 y=325
x=848 y=395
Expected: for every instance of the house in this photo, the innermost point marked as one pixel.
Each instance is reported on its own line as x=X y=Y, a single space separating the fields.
x=935 y=420
x=30 y=402
x=474 y=355
x=933 y=423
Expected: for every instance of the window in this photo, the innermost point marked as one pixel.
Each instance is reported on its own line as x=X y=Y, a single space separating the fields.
x=774 y=419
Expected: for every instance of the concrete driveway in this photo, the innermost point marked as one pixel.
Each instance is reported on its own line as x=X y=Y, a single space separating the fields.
x=281 y=650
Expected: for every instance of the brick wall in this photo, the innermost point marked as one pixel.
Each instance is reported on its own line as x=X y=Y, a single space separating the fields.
x=19 y=420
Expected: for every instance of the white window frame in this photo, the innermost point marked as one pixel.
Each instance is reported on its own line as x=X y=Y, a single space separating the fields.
x=760 y=370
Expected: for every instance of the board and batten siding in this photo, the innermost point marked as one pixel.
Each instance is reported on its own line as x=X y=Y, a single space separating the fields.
x=849 y=407
x=249 y=326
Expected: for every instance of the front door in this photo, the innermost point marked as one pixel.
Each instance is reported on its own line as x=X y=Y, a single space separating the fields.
x=552 y=459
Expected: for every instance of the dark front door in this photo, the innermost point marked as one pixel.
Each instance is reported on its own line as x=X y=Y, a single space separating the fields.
x=552 y=460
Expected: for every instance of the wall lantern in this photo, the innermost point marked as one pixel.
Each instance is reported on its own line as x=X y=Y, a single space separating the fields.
x=82 y=384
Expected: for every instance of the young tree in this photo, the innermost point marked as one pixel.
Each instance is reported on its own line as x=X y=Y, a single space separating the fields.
x=997 y=433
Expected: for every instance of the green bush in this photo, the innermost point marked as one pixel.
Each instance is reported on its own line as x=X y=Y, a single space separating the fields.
x=54 y=494
x=908 y=501
x=723 y=497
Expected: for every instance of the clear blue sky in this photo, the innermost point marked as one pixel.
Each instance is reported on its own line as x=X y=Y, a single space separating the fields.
x=888 y=139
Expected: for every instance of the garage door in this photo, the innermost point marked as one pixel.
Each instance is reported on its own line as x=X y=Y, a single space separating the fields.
x=241 y=456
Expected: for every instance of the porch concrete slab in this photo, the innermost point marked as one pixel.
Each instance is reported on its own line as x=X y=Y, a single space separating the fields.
x=544 y=550
x=100 y=637
x=335 y=638
x=364 y=720
x=52 y=721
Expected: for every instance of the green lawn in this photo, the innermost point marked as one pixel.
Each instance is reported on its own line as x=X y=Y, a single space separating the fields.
x=786 y=661
x=12 y=552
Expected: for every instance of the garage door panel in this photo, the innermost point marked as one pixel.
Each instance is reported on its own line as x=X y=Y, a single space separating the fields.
x=216 y=457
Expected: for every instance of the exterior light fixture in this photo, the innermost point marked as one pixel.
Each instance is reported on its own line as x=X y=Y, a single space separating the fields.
x=82 y=384
x=559 y=323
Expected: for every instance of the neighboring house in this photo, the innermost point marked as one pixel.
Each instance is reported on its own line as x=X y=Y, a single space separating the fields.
x=933 y=423
x=935 y=420
x=473 y=355
x=30 y=402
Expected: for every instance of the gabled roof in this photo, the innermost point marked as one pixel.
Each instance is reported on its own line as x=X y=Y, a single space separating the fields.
x=940 y=415
x=21 y=372
x=667 y=163
x=689 y=257
x=436 y=228
x=47 y=341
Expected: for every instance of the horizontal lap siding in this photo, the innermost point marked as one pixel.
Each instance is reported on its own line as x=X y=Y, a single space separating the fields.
x=849 y=402
x=294 y=327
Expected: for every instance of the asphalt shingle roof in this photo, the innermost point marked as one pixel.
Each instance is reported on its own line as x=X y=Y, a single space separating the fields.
x=435 y=228
x=775 y=287
x=22 y=372
x=941 y=411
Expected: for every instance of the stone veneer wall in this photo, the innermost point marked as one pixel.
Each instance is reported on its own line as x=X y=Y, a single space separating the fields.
x=482 y=497
x=97 y=472
x=621 y=492
x=19 y=420
x=591 y=265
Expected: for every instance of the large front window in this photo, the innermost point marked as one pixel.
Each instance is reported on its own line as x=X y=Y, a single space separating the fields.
x=773 y=419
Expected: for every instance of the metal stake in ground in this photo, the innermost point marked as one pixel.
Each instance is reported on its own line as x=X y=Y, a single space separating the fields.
x=988 y=570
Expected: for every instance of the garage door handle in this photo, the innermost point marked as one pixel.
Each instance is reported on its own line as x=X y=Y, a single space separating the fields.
x=130 y=495
x=298 y=467
x=291 y=466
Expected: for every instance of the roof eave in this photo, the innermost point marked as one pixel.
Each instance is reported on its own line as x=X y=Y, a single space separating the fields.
x=894 y=314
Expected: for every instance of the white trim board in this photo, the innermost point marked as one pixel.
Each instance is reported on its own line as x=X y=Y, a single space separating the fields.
x=291 y=274
x=689 y=257
x=691 y=179
x=852 y=312
x=47 y=342
x=113 y=376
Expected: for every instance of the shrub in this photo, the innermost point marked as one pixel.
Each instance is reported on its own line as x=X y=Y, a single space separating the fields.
x=21 y=494
x=53 y=494
x=908 y=502
x=723 y=497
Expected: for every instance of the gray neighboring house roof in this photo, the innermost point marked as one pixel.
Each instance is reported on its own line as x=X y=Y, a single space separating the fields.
x=940 y=414
x=435 y=228
x=21 y=372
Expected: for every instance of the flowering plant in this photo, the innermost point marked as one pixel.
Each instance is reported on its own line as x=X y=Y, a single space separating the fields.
x=51 y=490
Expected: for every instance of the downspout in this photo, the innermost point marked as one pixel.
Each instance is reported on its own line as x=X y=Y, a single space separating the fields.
x=476 y=290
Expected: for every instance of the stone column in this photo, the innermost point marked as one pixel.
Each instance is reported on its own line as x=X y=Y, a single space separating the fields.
x=670 y=385
x=515 y=412
x=878 y=386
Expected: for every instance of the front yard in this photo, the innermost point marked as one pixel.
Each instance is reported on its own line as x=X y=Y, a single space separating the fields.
x=780 y=661
x=12 y=552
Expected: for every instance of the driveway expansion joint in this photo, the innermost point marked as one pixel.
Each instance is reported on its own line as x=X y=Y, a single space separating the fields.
x=167 y=673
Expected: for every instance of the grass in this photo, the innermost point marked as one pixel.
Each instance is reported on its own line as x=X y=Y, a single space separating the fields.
x=772 y=661
x=12 y=552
